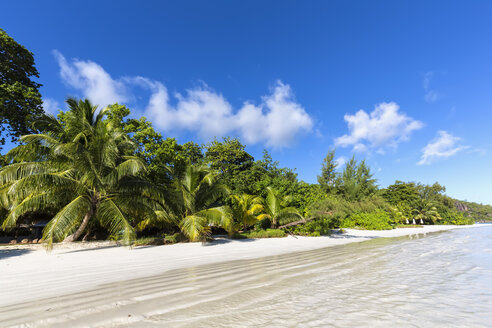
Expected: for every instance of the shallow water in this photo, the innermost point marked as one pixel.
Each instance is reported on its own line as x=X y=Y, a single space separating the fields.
x=442 y=279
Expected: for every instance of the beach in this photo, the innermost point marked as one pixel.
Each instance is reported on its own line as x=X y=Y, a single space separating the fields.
x=31 y=273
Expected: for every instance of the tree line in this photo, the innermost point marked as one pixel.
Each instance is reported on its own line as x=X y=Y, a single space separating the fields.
x=97 y=173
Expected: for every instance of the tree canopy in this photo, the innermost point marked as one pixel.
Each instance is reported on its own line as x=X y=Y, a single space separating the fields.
x=20 y=100
x=80 y=167
x=356 y=180
x=327 y=179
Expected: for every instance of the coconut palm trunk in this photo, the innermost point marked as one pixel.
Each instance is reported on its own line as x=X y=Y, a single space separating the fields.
x=85 y=221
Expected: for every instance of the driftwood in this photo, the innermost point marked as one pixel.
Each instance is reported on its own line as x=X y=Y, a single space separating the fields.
x=290 y=233
x=292 y=224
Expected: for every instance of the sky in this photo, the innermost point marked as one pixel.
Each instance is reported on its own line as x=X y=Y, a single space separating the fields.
x=405 y=85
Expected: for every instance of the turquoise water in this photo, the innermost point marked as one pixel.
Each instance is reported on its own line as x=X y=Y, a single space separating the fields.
x=441 y=279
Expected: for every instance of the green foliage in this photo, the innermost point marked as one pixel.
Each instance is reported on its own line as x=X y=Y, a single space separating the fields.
x=178 y=237
x=328 y=177
x=268 y=233
x=401 y=213
x=243 y=176
x=79 y=167
x=229 y=159
x=356 y=182
x=425 y=211
x=425 y=203
x=305 y=194
x=89 y=170
x=401 y=193
x=20 y=100
x=263 y=224
x=246 y=210
x=378 y=220
x=159 y=153
x=478 y=212
x=314 y=228
x=227 y=156
x=453 y=217
x=335 y=208
x=148 y=241
x=277 y=210
x=340 y=208
x=430 y=193
x=196 y=193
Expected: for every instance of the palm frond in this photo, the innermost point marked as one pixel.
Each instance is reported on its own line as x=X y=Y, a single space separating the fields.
x=31 y=203
x=131 y=167
x=219 y=216
x=288 y=214
x=111 y=217
x=193 y=226
x=66 y=220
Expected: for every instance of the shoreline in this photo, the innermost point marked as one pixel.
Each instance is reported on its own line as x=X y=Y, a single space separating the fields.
x=30 y=273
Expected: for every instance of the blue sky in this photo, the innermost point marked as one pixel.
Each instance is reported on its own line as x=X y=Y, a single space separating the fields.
x=405 y=84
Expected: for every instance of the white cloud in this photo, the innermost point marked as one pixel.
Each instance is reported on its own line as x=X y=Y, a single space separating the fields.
x=92 y=80
x=340 y=162
x=427 y=79
x=276 y=121
x=430 y=94
x=51 y=106
x=359 y=148
x=201 y=110
x=384 y=127
x=479 y=151
x=443 y=146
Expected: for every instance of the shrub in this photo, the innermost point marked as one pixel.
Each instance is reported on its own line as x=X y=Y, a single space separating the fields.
x=378 y=220
x=456 y=219
x=338 y=209
x=145 y=241
x=263 y=224
x=315 y=228
x=238 y=235
x=178 y=237
x=268 y=233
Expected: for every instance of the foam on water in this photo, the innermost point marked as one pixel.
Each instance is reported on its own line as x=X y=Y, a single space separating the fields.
x=442 y=279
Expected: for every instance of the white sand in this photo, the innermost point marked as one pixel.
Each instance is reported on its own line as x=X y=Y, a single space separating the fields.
x=28 y=273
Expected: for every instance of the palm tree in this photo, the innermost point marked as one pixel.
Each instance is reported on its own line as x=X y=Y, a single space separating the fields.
x=197 y=193
x=247 y=208
x=82 y=167
x=426 y=211
x=400 y=213
x=276 y=208
x=396 y=215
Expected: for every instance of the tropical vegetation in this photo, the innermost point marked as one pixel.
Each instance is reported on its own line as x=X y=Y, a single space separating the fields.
x=97 y=173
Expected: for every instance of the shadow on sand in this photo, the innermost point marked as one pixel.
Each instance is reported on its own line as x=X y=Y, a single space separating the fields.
x=95 y=248
x=346 y=236
x=6 y=253
x=221 y=241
